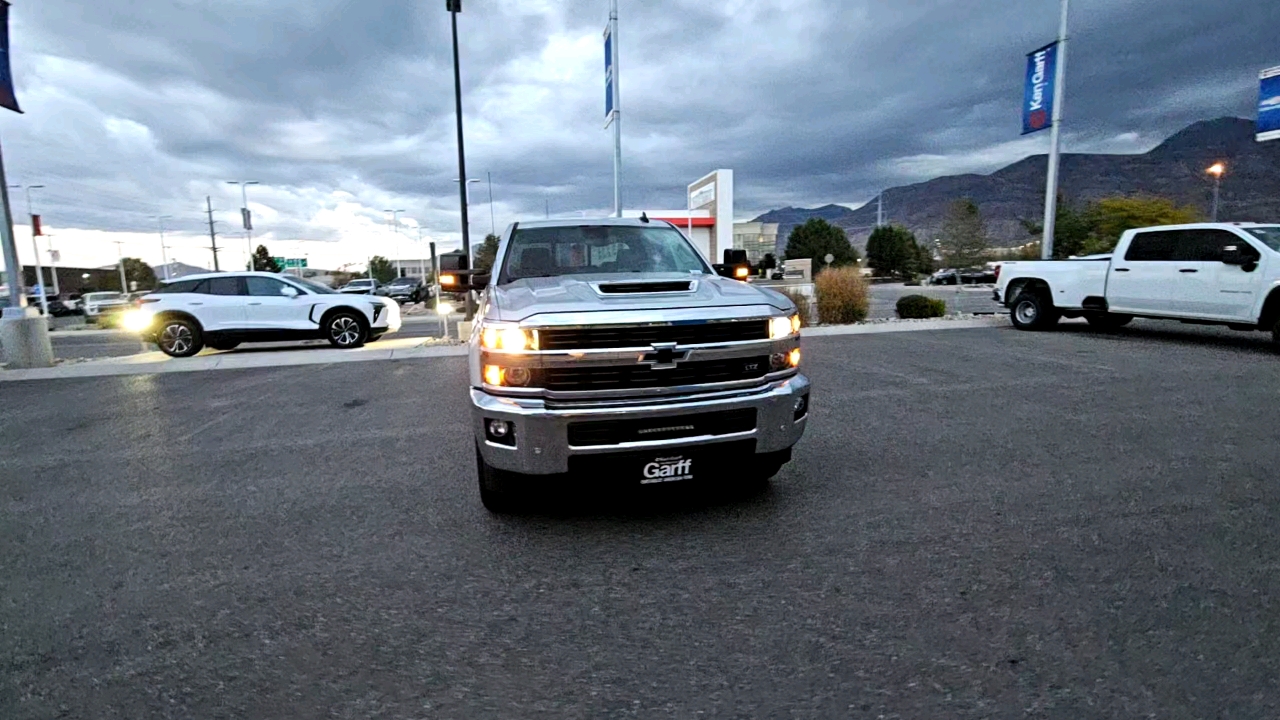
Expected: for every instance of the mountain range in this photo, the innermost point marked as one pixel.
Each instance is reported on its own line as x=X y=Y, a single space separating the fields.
x=1174 y=169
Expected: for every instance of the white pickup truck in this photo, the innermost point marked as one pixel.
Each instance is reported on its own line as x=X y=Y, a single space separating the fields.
x=1206 y=274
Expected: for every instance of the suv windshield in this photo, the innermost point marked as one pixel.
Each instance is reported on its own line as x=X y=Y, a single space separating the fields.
x=1269 y=235
x=404 y=281
x=313 y=286
x=598 y=249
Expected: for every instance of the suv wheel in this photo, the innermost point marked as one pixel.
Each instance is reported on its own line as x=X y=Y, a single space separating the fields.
x=345 y=330
x=1033 y=311
x=179 y=338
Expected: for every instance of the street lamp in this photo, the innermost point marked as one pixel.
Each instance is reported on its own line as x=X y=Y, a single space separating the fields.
x=1216 y=170
x=245 y=218
x=454 y=7
x=395 y=221
x=35 y=246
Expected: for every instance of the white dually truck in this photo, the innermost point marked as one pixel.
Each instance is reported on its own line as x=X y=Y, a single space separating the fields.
x=1204 y=274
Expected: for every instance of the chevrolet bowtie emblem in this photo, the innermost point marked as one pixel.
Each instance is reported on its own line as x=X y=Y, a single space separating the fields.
x=664 y=356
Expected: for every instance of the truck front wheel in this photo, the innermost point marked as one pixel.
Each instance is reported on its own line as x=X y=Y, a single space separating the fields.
x=495 y=488
x=1033 y=311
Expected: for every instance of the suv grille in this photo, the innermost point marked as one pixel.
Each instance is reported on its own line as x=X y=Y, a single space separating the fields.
x=626 y=377
x=616 y=432
x=638 y=336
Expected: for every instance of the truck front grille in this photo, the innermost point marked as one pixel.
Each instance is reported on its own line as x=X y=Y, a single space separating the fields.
x=616 y=432
x=639 y=336
x=626 y=377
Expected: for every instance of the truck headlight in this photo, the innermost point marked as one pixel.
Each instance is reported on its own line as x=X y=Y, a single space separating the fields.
x=507 y=338
x=783 y=327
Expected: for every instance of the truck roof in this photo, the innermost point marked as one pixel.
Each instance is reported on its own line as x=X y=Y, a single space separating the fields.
x=594 y=222
x=1204 y=225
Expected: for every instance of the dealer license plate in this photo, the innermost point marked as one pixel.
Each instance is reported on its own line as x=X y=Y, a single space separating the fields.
x=667 y=469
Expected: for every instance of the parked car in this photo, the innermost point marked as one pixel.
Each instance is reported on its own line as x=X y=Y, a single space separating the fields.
x=1204 y=274
x=225 y=309
x=405 y=290
x=363 y=286
x=98 y=303
x=944 y=277
x=687 y=376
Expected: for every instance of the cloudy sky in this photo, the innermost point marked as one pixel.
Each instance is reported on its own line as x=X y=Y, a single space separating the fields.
x=344 y=108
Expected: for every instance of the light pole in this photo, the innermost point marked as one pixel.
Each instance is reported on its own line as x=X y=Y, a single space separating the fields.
x=35 y=247
x=164 y=256
x=454 y=7
x=124 y=281
x=245 y=218
x=1055 y=140
x=493 y=225
x=395 y=222
x=1217 y=171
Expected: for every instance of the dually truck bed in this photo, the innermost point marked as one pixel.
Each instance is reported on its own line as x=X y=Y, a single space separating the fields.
x=1069 y=281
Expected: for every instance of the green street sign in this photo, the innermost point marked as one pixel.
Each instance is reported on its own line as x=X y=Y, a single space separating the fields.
x=291 y=263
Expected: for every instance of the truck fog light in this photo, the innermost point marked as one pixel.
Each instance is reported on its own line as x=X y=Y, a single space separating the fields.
x=500 y=432
x=794 y=358
x=519 y=377
x=802 y=406
x=778 y=361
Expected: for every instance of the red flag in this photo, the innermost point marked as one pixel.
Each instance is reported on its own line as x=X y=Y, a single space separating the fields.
x=35 y=225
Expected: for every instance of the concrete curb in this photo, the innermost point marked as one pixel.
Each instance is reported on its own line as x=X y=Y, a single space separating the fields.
x=402 y=349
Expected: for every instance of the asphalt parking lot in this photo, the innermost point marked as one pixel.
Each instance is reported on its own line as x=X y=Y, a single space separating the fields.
x=980 y=523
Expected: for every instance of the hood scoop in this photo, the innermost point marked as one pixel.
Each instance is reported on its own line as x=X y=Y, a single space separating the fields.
x=645 y=288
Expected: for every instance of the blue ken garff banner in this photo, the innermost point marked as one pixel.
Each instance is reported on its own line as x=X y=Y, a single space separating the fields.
x=1269 y=106
x=7 y=97
x=1037 y=100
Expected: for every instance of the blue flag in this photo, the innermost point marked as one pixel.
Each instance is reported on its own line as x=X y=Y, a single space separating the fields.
x=1269 y=106
x=1037 y=100
x=7 y=97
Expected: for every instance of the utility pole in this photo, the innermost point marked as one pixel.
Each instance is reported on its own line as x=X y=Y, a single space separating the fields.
x=493 y=225
x=880 y=210
x=1055 y=140
x=454 y=7
x=164 y=257
x=213 y=235
x=395 y=221
x=615 y=101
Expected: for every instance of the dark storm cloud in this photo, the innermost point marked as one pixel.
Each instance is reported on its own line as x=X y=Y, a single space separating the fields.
x=144 y=108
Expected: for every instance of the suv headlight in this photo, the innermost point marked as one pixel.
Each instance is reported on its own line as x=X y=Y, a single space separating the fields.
x=507 y=338
x=784 y=327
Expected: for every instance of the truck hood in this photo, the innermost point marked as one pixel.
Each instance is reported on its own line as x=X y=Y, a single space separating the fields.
x=523 y=299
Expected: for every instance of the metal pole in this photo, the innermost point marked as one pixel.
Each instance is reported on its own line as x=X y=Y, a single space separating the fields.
x=1217 y=185
x=17 y=298
x=462 y=154
x=164 y=256
x=53 y=269
x=124 y=282
x=213 y=235
x=35 y=247
x=617 y=112
x=1055 y=140
x=493 y=224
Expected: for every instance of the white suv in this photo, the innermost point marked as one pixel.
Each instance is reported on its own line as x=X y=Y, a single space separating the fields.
x=223 y=310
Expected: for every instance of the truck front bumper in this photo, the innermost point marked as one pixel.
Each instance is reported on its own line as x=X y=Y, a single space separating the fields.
x=541 y=434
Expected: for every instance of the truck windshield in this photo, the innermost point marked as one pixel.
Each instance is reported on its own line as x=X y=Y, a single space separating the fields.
x=600 y=249
x=1269 y=235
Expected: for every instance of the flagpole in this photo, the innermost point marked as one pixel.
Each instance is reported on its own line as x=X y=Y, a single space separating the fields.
x=1055 y=140
x=617 y=112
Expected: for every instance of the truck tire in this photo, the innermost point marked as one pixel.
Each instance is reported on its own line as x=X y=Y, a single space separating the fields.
x=495 y=490
x=1033 y=311
x=1108 y=321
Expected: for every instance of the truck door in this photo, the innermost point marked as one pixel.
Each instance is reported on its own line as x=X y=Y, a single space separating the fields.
x=1231 y=291
x=1141 y=282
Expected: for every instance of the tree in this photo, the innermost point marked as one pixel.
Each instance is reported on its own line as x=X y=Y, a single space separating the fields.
x=263 y=262
x=487 y=253
x=1110 y=217
x=383 y=270
x=818 y=238
x=964 y=235
x=136 y=271
x=893 y=252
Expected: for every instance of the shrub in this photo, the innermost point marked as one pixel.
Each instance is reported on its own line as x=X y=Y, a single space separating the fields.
x=918 y=307
x=803 y=307
x=842 y=296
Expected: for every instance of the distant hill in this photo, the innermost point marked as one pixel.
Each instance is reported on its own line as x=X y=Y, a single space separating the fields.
x=1174 y=169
